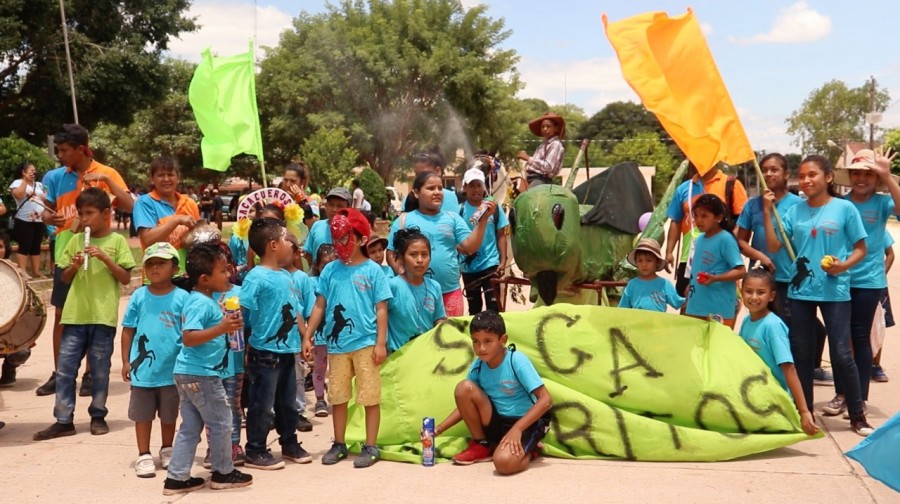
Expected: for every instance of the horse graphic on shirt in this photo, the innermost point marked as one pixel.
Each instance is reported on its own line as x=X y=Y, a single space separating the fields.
x=224 y=364
x=339 y=324
x=287 y=323
x=143 y=354
x=803 y=272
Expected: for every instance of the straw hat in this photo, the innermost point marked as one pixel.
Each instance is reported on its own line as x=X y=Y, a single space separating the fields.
x=862 y=160
x=535 y=125
x=652 y=246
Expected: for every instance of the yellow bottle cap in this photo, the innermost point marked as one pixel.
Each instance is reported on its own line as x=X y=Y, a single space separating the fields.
x=233 y=303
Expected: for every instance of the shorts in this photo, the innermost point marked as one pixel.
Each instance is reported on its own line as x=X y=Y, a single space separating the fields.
x=453 y=303
x=60 y=289
x=682 y=281
x=147 y=401
x=341 y=370
x=29 y=236
x=499 y=425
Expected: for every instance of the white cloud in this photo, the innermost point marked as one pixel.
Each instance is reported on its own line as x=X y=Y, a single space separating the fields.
x=795 y=24
x=706 y=28
x=228 y=27
x=590 y=84
x=468 y=4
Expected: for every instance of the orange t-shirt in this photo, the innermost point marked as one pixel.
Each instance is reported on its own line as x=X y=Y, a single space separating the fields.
x=65 y=190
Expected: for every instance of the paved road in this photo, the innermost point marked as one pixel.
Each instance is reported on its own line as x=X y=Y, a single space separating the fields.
x=85 y=468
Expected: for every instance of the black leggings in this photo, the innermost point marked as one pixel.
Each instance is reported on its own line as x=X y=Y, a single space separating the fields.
x=29 y=236
x=474 y=284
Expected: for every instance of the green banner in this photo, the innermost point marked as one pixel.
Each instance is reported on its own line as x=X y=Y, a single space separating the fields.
x=626 y=384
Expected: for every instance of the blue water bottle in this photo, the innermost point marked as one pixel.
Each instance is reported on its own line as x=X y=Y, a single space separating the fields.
x=427 y=441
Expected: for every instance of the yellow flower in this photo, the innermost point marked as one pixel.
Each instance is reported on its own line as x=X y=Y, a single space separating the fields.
x=293 y=213
x=242 y=229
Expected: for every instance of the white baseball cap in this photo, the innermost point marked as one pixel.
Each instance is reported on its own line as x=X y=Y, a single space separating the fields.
x=473 y=174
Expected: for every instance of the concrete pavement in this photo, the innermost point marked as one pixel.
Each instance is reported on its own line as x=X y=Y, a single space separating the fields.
x=85 y=468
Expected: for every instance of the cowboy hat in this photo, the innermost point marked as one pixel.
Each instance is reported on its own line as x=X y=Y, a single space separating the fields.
x=652 y=246
x=862 y=160
x=535 y=125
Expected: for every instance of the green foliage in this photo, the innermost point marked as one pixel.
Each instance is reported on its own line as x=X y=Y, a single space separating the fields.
x=833 y=112
x=892 y=140
x=330 y=158
x=13 y=152
x=372 y=186
x=646 y=149
x=116 y=48
x=396 y=76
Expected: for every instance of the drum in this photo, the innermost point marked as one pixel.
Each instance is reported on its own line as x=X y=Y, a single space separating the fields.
x=22 y=314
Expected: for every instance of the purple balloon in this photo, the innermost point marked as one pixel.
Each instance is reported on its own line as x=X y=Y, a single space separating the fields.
x=644 y=220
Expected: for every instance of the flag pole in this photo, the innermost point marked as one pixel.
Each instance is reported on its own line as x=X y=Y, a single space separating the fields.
x=262 y=161
x=65 y=30
x=784 y=238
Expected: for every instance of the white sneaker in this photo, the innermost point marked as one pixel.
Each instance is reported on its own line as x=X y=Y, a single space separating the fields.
x=144 y=467
x=165 y=455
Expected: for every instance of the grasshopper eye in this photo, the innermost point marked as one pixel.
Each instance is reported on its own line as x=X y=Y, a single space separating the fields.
x=559 y=215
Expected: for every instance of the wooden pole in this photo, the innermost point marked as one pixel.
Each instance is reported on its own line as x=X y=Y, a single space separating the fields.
x=784 y=238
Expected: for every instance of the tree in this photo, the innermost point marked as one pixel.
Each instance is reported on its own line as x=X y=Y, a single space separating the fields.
x=373 y=187
x=13 y=152
x=116 y=48
x=892 y=140
x=618 y=121
x=646 y=149
x=330 y=158
x=396 y=75
x=833 y=112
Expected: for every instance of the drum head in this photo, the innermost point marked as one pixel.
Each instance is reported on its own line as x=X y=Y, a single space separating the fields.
x=12 y=302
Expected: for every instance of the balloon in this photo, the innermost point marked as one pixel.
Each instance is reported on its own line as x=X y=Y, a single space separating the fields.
x=644 y=220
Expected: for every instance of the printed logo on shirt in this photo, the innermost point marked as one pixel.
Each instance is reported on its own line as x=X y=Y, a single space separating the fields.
x=658 y=297
x=870 y=216
x=829 y=227
x=168 y=319
x=708 y=258
x=445 y=229
x=754 y=344
x=362 y=283
x=428 y=303
x=509 y=387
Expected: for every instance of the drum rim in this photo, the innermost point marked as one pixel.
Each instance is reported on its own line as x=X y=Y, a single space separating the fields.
x=6 y=325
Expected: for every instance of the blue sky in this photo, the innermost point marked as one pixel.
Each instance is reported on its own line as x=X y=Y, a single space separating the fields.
x=771 y=53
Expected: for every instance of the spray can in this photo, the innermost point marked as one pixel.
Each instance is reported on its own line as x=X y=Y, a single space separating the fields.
x=427 y=441
x=235 y=338
x=87 y=243
x=480 y=212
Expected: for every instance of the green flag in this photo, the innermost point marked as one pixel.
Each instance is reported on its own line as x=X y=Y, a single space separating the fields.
x=626 y=384
x=223 y=96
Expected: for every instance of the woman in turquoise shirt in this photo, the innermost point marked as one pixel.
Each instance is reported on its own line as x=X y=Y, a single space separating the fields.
x=829 y=239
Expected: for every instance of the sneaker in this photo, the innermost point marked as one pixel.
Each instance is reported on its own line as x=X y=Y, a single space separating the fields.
x=878 y=375
x=264 y=460
x=207 y=462
x=321 y=408
x=237 y=455
x=165 y=455
x=8 y=375
x=296 y=453
x=234 y=479
x=337 y=453
x=144 y=466
x=308 y=383
x=87 y=383
x=54 y=431
x=48 y=388
x=822 y=376
x=835 y=406
x=476 y=452
x=303 y=424
x=175 y=487
x=368 y=455
x=865 y=411
x=99 y=427
x=860 y=426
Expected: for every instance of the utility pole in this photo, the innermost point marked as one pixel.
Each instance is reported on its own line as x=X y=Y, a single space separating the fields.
x=65 y=29
x=872 y=110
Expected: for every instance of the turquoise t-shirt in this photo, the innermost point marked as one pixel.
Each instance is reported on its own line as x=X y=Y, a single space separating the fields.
x=413 y=310
x=351 y=293
x=511 y=392
x=238 y=249
x=650 y=295
x=271 y=301
x=319 y=234
x=206 y=359
x=445 y=231
x=751 y=219
x=714 y=255
x=768 y=337
x=157 y=336
x=488 y=255
x=387 y=270
x=838 y=226
x=305 y=291
x=235 y=357
x=875 y=212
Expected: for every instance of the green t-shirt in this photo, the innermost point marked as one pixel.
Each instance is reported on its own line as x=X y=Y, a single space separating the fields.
x=94 y=295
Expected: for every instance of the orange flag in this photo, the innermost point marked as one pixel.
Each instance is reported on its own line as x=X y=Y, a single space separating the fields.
x=668 y=64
